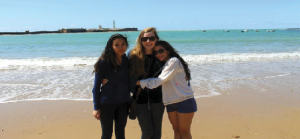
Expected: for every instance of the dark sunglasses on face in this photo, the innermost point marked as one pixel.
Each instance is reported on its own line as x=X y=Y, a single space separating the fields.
x=144 y=39
x=160 y=51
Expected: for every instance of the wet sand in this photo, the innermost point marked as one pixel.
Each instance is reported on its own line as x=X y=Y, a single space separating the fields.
x=243 y=113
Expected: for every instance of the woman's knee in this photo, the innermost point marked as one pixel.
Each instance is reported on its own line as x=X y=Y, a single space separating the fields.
x=176 y=129
x=184 y=131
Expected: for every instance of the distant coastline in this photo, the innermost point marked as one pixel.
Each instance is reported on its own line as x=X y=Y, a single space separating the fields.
x=83 y=30
x=293 y=29
x=70 y=30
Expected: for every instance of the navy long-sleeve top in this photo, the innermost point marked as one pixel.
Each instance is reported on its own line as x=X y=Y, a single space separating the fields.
x=116 y=90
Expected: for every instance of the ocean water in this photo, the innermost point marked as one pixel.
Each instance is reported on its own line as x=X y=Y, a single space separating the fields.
x=59 y=66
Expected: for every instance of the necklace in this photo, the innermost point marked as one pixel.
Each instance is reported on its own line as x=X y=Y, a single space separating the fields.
x=158 y=71
x=118 y=61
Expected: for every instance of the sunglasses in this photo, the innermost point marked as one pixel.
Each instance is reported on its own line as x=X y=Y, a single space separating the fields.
x=144 y=39
x=160 y=51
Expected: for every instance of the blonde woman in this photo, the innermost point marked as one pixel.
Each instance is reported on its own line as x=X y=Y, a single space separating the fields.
x=150 y=106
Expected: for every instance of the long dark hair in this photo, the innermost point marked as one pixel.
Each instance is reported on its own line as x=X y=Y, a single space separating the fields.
x=109 y=53
x=174 y=53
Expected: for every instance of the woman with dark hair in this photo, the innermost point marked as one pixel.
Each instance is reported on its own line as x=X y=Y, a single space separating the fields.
x=178 y=95
x=111 y=103
x=143 y=64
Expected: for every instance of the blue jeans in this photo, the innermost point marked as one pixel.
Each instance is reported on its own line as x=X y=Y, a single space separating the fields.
x=110 y=113
x=150 y=120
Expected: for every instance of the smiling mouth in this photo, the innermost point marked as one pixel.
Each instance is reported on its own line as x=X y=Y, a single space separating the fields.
x=160 y=57
x=122 y=51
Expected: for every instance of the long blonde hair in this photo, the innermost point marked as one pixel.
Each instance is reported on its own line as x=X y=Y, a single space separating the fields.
x=137 y=54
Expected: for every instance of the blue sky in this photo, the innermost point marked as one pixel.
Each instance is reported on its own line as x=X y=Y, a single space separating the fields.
x=21 y=15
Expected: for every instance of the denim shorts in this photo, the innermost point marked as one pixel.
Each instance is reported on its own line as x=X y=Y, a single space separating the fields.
x=186 y=106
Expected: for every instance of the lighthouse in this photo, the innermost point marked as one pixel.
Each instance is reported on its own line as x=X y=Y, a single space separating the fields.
x=114 y=26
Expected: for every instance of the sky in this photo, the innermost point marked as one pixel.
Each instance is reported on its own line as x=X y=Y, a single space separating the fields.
x=34 y=15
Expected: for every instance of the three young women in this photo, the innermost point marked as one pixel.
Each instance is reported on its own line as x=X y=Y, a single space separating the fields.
x=178 y=95
x=111 y=103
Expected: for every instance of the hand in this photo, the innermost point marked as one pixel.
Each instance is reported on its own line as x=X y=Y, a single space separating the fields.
x=138 y=83
x=104 y=81
x=96 y=114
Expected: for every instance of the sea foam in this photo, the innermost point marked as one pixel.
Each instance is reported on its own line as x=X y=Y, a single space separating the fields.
x=90 y=61
x=229 y=57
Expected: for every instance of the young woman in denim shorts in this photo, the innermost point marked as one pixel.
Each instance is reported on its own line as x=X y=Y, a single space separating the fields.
x=178 y=95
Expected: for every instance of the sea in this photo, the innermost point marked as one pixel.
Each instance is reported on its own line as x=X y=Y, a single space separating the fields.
x=60 y=66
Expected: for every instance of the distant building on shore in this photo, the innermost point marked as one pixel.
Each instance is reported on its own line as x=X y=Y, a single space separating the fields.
x=114 y=25
x=114 y=29
x=72 y=30
x=126 y=29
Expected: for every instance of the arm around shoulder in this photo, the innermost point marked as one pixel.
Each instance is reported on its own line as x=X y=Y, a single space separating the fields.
x=169 y=71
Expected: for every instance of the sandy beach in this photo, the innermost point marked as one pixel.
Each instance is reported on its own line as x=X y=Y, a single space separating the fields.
x=242 y=113
x=243 y=56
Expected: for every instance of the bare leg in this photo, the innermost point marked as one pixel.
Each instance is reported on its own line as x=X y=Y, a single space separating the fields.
x=173 y=117
x=184 y=122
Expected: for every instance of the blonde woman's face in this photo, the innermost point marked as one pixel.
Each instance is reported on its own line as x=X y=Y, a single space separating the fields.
x=149 y=40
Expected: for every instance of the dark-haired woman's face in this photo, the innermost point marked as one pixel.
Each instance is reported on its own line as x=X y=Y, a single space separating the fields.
x=161 y=53
x=147 y=40
x=119 y=46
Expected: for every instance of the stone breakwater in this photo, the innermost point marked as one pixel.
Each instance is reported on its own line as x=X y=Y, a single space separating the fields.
x=70 y=30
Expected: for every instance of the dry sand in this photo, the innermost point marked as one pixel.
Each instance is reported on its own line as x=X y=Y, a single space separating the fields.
x=243 y=114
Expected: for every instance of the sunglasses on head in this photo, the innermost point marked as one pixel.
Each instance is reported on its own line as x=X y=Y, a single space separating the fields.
x=160 y=51
x=144 y=39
